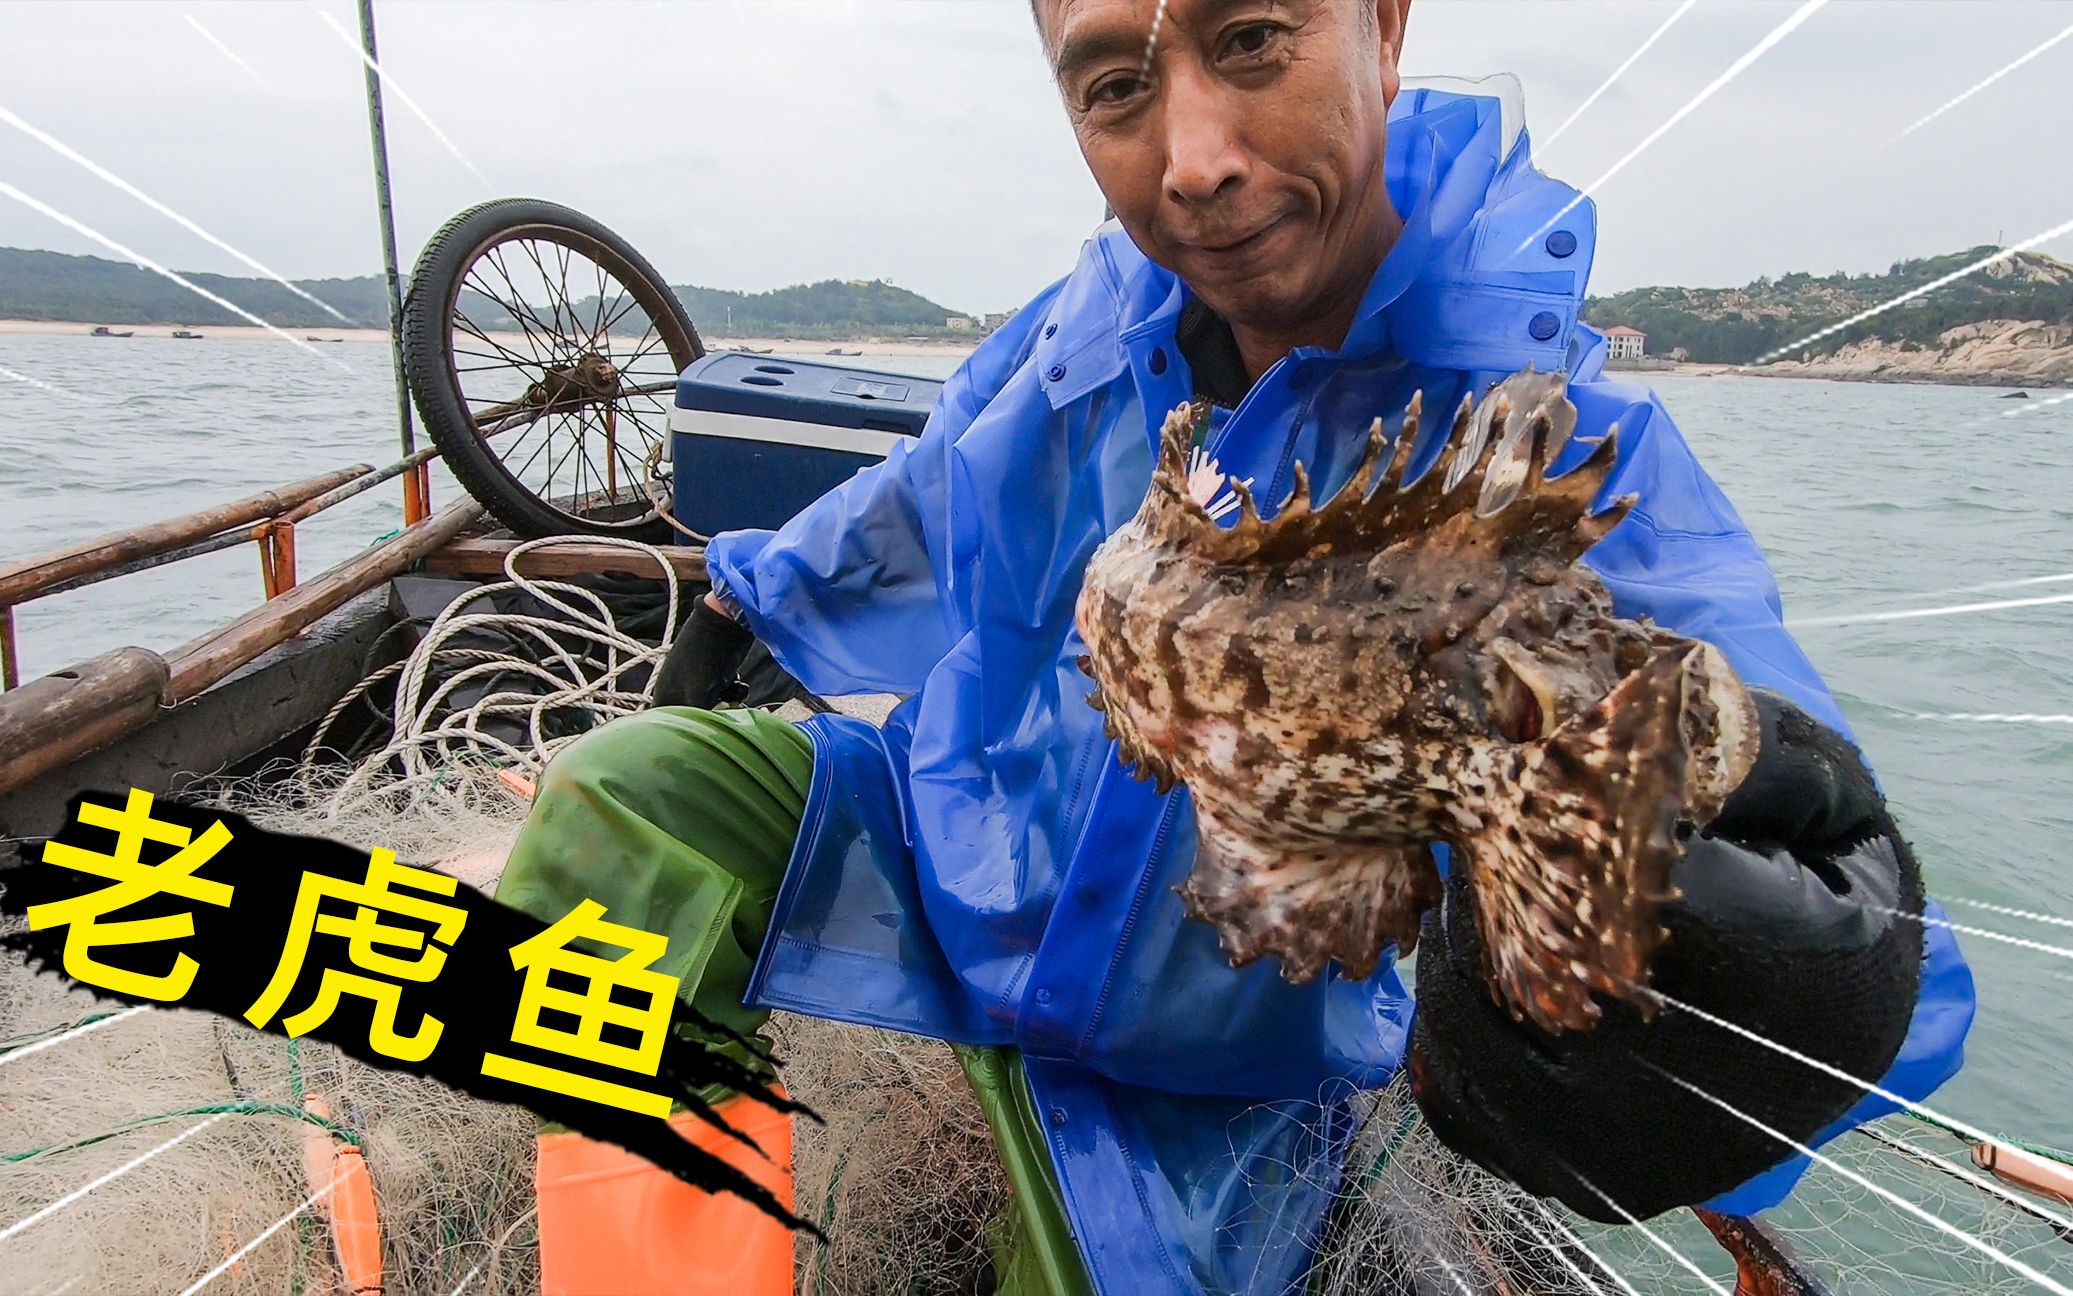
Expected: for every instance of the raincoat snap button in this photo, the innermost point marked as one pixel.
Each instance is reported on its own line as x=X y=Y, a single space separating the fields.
x=1057 y=373
x=1050 y=330
x=1561 y=243
x=1043 y=996
x=1157 y=363
x=1058 y=1115
x=1542 y=326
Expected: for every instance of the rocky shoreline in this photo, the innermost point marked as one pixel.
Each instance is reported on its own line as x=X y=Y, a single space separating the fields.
x=1990 y=353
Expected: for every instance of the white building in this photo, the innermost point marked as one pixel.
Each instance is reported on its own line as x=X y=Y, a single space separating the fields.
x=958 y=323
x=1625 y=343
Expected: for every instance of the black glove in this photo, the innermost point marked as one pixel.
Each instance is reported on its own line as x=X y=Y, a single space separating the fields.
x=1783 y=928
x=701 y=664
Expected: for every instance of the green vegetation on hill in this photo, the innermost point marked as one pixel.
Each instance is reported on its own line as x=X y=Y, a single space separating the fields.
x=54 y=286
x=1720 y=325
x=1736 y=325
x=855 y=305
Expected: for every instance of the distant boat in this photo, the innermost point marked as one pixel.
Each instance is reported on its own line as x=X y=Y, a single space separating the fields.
x=839 y=351
x=102 y=330
x=314 y=338
x=184 y=335
x=749 y=350
x=2015 y=396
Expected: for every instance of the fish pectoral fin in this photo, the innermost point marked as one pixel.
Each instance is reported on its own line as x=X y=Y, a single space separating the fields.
x=1573 y=865
x=1308 y=903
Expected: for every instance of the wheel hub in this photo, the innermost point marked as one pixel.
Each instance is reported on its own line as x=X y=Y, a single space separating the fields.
x=588 y=378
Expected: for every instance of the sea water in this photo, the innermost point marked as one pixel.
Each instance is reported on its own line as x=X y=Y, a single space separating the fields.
x=1867 y=498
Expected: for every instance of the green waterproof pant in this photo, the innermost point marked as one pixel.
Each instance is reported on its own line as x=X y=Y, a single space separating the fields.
x=680 y=822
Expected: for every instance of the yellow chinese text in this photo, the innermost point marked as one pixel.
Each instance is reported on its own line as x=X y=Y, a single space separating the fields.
x=366 y=936
x=594 y=1008
x=134 y=881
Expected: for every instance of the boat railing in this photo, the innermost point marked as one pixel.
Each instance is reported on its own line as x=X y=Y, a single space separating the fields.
x=49 y=721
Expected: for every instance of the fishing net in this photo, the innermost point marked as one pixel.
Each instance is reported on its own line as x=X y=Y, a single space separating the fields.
x=452 y=1176
x=1412 y=1217
x=903 y=1176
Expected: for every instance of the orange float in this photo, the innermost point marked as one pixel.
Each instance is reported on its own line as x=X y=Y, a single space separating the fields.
x=2032 y=1173
x=613 y=1224
x=349 y=1208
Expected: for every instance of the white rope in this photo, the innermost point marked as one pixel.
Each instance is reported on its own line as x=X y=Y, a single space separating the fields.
x=436 y=747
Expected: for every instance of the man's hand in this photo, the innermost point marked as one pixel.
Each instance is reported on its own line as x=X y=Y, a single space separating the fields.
x=702 y=662
x=1790 y=925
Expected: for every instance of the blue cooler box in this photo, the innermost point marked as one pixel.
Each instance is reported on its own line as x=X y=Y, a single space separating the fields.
x=753 y=440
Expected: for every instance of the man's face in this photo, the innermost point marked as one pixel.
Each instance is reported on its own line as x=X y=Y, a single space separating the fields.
x=1245 y=153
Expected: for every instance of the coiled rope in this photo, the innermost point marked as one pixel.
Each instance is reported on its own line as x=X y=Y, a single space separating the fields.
x=435 y=746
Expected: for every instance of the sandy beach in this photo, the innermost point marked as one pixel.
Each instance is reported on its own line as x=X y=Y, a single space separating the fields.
x=61 y=328
x=869 y=346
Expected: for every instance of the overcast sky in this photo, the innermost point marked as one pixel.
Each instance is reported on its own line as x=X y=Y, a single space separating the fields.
x=755 y=143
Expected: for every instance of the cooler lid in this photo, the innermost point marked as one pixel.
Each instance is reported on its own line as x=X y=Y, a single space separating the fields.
x=803 y=391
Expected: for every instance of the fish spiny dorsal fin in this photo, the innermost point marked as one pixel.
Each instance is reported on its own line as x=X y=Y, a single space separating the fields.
x=1168 y=510
x=1299 y=499
x=1499 y=424
x=1176 y=437
x=1406 y=440
x=1433 y=481
x=1515 y=465
x=1350 y=496
x=1558 y=514
x=1249 y=523
x=1540 y=449
x=1465 y=447
x=1591 y=475
x=1562 y=420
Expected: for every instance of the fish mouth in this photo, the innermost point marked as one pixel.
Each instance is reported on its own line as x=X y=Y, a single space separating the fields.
x=1524 y=698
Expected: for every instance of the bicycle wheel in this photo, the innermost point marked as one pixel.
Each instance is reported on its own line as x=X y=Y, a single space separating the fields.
x=542 y=351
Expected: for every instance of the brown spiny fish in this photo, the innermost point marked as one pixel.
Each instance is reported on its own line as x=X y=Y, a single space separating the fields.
x=1410 y=663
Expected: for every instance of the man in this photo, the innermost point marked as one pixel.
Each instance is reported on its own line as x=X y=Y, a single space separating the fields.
x=1304 y=246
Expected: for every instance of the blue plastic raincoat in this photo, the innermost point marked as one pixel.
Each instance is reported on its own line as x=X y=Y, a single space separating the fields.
x=982 y=870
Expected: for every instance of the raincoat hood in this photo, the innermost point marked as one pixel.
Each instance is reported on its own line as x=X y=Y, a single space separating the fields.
x=982 y=870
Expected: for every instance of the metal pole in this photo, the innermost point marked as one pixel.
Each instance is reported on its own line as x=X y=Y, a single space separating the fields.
x=10 y=663
x=380 y=139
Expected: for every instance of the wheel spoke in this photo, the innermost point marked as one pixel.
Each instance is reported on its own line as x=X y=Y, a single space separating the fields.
x=576 y=449
x=521 y=309
x=522 y=373
x=635 y=359
x=632 y=470
x=546 y=443
x=631 y=302
x=504 y=423
x=561 y=255
x=515 y=307
x=469 y=326
x=532 y=250
x=504 y=365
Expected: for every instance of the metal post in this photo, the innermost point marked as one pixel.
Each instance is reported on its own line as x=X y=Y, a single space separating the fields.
x=380 y=139
x=10 y=664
